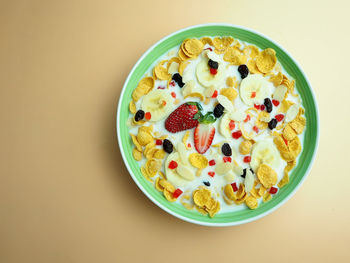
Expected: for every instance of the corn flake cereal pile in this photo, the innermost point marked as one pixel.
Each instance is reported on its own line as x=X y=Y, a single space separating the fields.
x=217 y=125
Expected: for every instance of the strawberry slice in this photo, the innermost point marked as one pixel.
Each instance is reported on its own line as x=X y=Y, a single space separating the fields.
x=184 y=117
x=203 y=137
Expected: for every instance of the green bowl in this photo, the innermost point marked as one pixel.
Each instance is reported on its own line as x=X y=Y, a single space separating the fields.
x=308 y=101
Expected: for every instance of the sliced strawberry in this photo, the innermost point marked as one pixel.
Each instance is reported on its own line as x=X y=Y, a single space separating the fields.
x=203 y=137
x=184 y=117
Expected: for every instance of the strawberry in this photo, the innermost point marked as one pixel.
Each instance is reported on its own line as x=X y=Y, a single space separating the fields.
x=184 y=117
x=203 y=137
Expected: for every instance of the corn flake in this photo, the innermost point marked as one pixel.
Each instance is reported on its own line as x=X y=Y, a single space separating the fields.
x=266 y=60
x=198 y=160
x=207 y=40
x=137 y=154
x=169 y=196
x=136 y=143
x=193 y=47
x=152 y=167
x=266 y=175
x=234 y=56
x=251 y=202
x=251 y=64
x=251 y=51
x=245 y=147
x=266 y=197
x=276 y=79
x=229 y=93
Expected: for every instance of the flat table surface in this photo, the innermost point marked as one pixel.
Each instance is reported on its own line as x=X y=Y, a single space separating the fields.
x=65 y=194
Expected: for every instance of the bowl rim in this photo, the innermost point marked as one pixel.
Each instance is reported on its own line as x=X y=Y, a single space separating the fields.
x=251 y=219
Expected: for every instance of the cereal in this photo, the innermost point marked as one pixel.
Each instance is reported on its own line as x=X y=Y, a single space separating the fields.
x=199 y=172
x=266 y=197
x=193 y=47
x=166 y=185
x=230 y=82
x=251 y=51
x=221 y=44
x=262 y=120
x=137 y=154
x=198 y=160
x=152 y=167
x=145 y=174
x=201 y=197
x=144 y=138
x=266 y=175
x=169 y=196
x=251 y=64
x=158 y=186
x=207 y=40
x=132 y=107
x=284 y=106
x=229 y=192
x=229 y=93
x=245 y=147
x=196 y=95
x=251 y=202
x=182 y=55
x=276 y=79
x=288 y=152
x=160 y=72
x=159 y=154
x=266 y=60
x=182 y=67
x=234 y=56
x=136 y=143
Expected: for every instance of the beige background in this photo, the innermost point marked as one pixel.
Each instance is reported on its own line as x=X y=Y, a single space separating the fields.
x=65 y=195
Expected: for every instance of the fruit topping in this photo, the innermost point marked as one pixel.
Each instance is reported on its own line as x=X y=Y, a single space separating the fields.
x=177 y=193
x=213 y=64
x=275 y=102
x=211 y=174
x=139 y=115
x=184 y=117
x=268 y=105
x=273 y=190
x=247 y=159
x=213 y=71
x=227 y=159
x=148 y=115
x=203 y=137
x=215 y=94
x=173 y=94
x=212 y=162
x=279 y=117
x=272 y=124
x=178 y=79
x=172 y=165
x=243 y=70
x=248 y=118
x=256 y=129
x=262 y=107
x=234 y=187
x=253 y=95
x=159 y=142
x=236 y=135
x=232 y=125
x=168 y=146
x=206 y=183
x=257 y=106
x=218 y=110
x=172 y=83
x=226 y=149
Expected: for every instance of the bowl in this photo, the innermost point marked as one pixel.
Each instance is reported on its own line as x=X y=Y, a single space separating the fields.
x=303 y=86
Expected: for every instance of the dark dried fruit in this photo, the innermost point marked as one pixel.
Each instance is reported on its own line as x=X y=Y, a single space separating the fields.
x=268 y=105
x=168 y=146
x=272 y=124
x=243 y=70
x=213 y=64
x=206 y=183
x=140 y=114
x=178 y=79
x=226 y=149
x=218 y=110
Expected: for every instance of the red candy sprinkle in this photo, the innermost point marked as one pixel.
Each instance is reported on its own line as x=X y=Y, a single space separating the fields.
x=247 y=118
x=273 y=190
x=256 y=106
x=177 y=193
x=236 y=135
x=212 y=162
x=213 y=71
x=163 y=102
x=285 y=141
x=172 y=83
x=247 y=159
x=148 y=115
x=172 y=165
x=211 y=174
x=159 y=142
x=173 y=94
x=232 y=125
x=256 y=129
x=215 y=94
x=160 y=87
x=234 y=187
x=208 y=48
x=253 y=94
x=189 y=145
x=275 y=102
x=279 y=117
x=227 y=159
x=262 y=107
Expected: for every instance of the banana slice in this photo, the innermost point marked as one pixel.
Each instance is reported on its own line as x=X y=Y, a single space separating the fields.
x=207 y=79
x=159 y=103
x=254 y=89
x=182 y=153
x=226 y=103
x=185 y=172
x=248 y=181
x=173 y=175
x=190 y=88
x=265 y=152
x=224 y=126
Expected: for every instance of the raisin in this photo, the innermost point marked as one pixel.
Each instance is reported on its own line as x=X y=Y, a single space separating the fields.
x=213 y=64
x=167 y=146
x=268 y=105
x=226 y=149
x=243 y=70
x=178 y=79
x=218 y=110
x=272 y=124
x=206 y=183
x=140 y=114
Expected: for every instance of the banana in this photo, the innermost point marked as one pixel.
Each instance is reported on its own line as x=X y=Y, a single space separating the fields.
x=159 y=103
x=265 y=152
x=224 y=126
x=180 y=176
x=205 y=78
x=248 y=181
x=254 y=89
x=190 y=88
